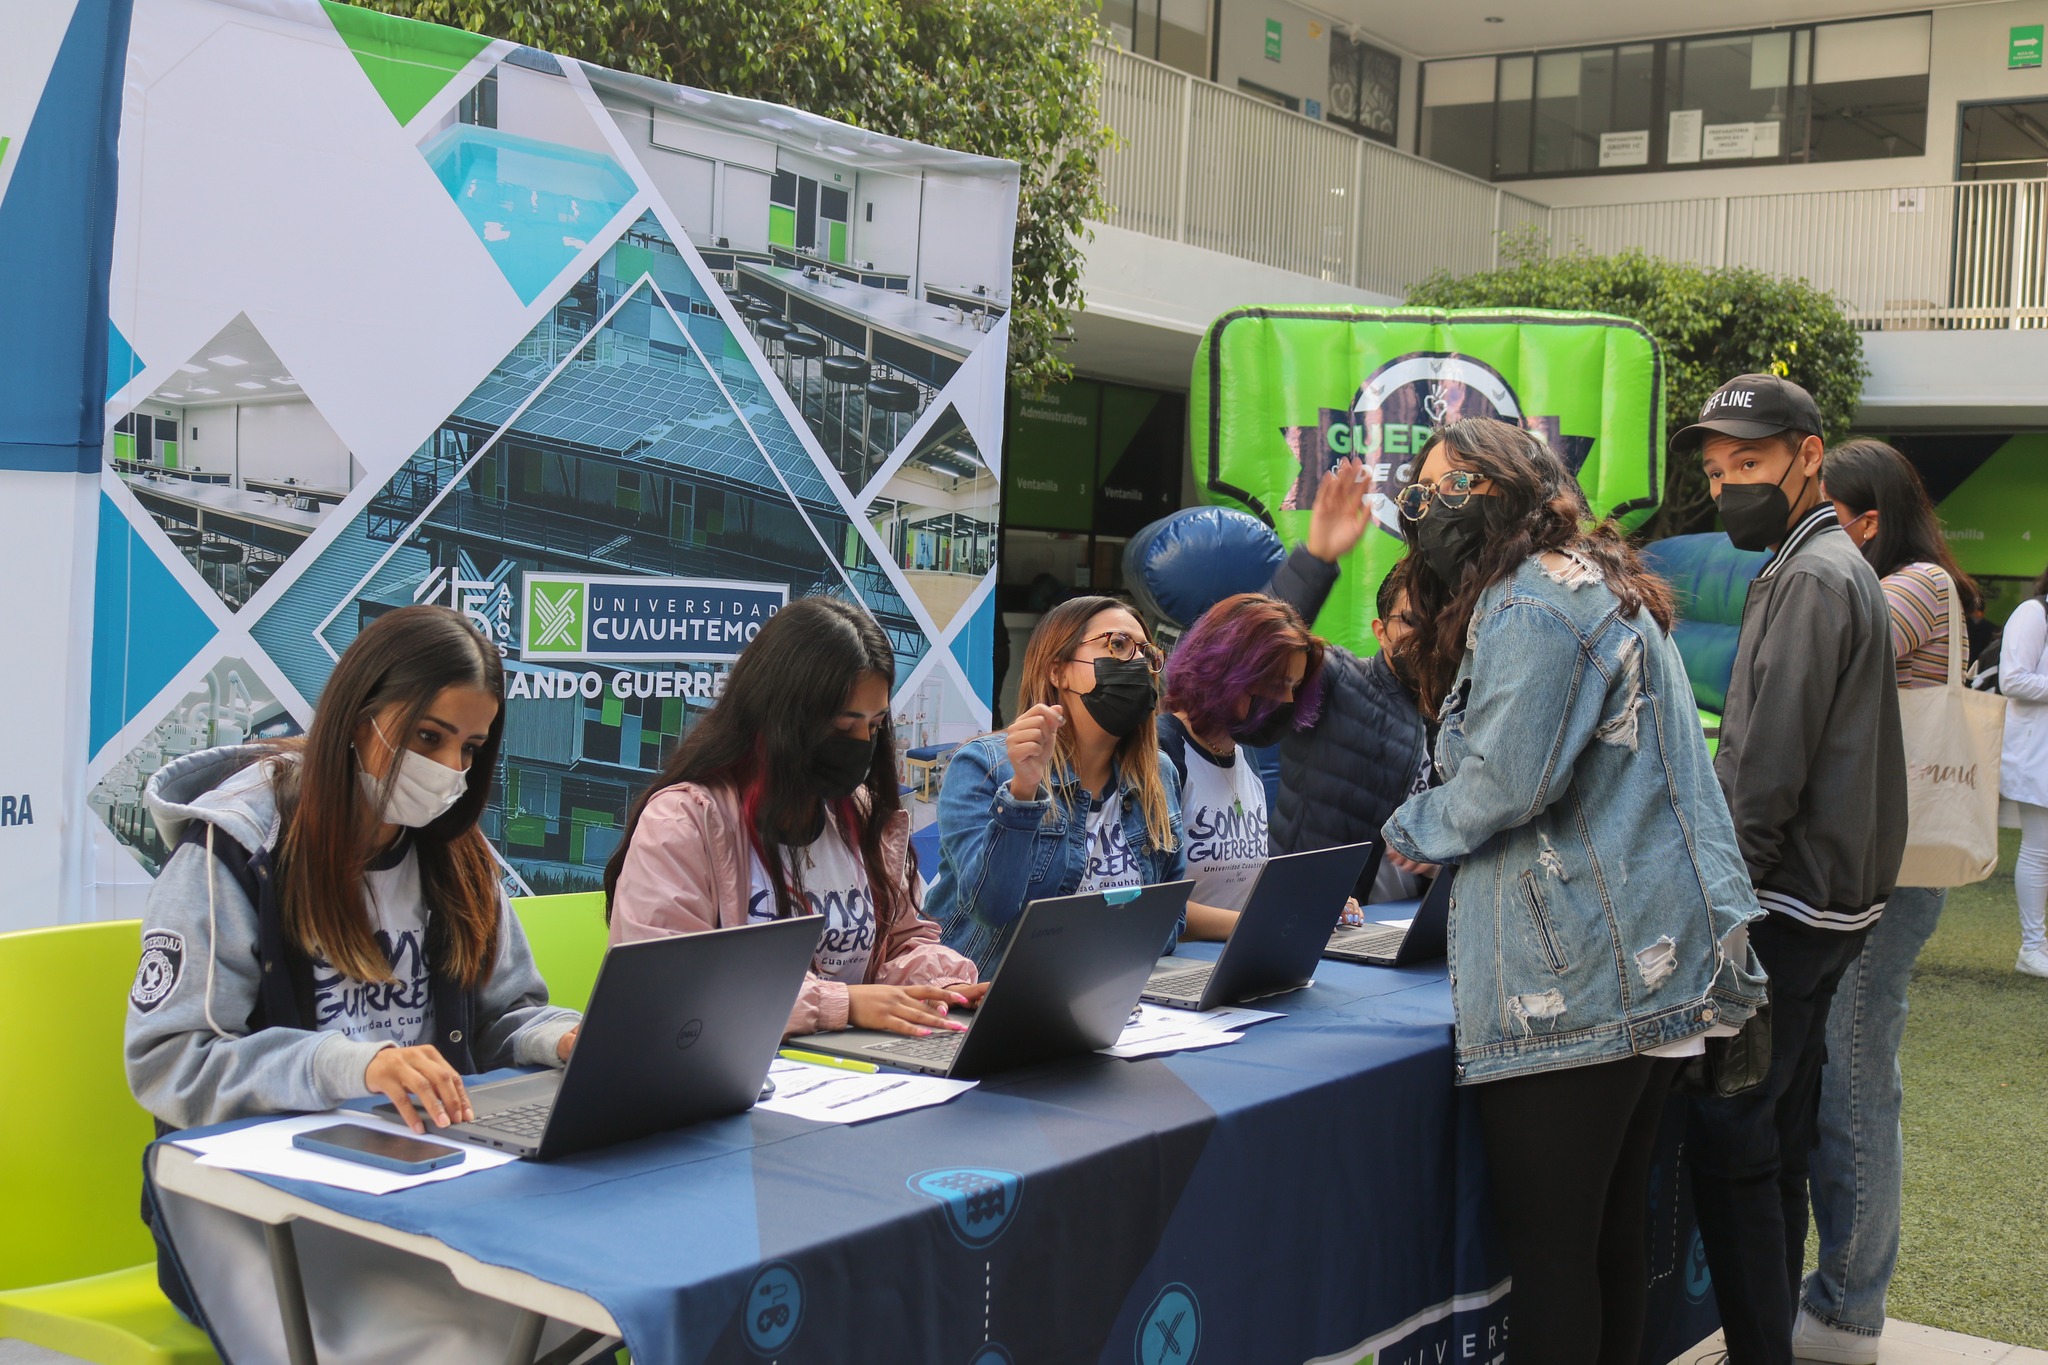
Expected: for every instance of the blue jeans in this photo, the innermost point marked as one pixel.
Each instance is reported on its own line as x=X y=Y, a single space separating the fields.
x=1857 y=1167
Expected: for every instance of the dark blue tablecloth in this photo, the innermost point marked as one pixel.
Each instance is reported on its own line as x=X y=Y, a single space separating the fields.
x=1315 y=1192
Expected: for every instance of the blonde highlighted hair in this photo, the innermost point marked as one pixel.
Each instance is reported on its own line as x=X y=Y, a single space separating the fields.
x=1059 y=633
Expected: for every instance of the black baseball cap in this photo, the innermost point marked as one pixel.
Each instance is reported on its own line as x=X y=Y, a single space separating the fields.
x=1751 y=406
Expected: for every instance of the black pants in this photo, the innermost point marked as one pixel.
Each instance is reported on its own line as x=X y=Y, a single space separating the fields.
x=1749 y=1155
x=1570 y=1156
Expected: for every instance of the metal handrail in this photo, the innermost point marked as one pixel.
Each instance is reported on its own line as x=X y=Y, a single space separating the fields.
x=1194 y=162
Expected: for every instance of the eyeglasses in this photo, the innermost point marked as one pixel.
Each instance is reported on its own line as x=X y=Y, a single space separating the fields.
x=1124 y=647
x=1453 y=490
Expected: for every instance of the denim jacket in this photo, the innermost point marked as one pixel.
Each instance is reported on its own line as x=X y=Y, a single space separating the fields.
x=998 y=854
x=1601 y=904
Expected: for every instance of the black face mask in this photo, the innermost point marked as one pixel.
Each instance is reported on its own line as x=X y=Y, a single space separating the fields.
x=1449 y=538
x=1757 y=515
x=841 y=763
x=1277 y=724
x=1124 y=695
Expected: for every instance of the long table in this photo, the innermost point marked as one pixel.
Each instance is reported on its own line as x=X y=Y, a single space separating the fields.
x=1313 y=1193
x=917 y=337
x=259 y=519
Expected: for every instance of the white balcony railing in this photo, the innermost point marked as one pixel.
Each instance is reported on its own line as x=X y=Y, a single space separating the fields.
x=1197 y=163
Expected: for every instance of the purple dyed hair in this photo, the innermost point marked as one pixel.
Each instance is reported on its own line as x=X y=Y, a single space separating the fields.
x=1242 y=647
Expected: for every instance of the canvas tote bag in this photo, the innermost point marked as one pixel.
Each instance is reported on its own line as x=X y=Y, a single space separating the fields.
x=1953 y=737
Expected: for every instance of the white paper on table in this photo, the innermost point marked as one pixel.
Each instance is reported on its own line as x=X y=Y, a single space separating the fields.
x=1162 y=1028
x=266 y=1149
x=830 y=1094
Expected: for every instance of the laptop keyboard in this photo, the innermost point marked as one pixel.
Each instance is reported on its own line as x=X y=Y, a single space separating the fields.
x=938 y=1050
x=1190 y=983
x=524 y=1121
x=1372 y=941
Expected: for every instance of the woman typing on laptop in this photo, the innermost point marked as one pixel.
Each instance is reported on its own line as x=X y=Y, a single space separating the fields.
x=330 y=923
x=783 y=800
x=1073 y=796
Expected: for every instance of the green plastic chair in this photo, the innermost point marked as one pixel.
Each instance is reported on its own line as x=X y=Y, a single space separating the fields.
x=567 y=935
x=77 y=1266
x=1711 y=724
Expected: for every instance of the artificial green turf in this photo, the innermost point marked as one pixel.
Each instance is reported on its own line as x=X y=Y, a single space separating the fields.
x=1973 y=1253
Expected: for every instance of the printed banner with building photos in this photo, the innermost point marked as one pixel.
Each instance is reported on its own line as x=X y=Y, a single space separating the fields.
x=615 y=367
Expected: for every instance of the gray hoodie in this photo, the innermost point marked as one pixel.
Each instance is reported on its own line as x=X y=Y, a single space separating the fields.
x=191 y=1059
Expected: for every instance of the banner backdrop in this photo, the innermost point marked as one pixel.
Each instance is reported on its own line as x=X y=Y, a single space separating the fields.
x=1280 y=395
x=617 y=368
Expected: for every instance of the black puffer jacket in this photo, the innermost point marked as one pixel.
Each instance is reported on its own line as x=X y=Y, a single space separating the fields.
x=1342 y=778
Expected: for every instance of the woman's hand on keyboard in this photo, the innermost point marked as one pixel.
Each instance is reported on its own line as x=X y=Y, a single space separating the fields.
x=397 y=1072
x=915 y=1010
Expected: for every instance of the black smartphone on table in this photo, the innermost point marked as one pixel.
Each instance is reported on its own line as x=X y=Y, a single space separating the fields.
x=377 y=1147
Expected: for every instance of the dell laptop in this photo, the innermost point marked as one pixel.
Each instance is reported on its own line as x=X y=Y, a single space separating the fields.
x=1280 y=934
x=678 y=1029
x=1422 y=939
x=1065 y=986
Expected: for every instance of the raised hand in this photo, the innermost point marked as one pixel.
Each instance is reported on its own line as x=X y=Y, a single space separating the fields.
x=1341 y=514
x=1029 y=743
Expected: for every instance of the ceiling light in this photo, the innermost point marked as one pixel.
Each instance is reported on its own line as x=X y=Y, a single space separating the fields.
x=229 y=360
x=193 y=369
x=287 y=380
x=172 y=396
x=197 y=389
x=247 y=384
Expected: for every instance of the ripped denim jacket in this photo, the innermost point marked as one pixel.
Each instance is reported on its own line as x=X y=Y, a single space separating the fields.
x=1601 y=905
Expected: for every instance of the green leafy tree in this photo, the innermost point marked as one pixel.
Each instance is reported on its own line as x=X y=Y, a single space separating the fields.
x=1004 y=78
x=1712 y=324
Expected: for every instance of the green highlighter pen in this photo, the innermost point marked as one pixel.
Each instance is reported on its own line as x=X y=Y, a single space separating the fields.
x=790 y=1054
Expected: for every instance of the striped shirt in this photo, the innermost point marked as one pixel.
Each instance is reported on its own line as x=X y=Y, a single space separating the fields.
x=1918 y=597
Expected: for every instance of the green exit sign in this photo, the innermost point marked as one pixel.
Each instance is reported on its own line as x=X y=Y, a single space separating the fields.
x=1273 y=40
x=2023 y=46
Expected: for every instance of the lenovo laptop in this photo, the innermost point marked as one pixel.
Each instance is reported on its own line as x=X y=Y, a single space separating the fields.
x=1422 y=939
x=1065 y=986
x=678 y=1029
x=1280 y=934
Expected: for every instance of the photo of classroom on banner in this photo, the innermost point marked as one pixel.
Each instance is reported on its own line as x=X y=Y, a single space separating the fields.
x=867 y=269
x=233 y=462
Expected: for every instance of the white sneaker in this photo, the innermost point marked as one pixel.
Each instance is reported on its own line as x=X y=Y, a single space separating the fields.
x=2032 y=962
x=1814 y=1340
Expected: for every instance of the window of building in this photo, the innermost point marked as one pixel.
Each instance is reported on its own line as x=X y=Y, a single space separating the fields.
x=1828 y=92
x=1365 y=87
x=1870 y=89
x=1457 y=114
x=2004 y=141
x=1175 y=32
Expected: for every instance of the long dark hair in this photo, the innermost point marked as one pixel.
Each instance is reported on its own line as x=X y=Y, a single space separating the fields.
x=1535 y=507
x=784 y=692
x=404 y=659
x=1865 y=474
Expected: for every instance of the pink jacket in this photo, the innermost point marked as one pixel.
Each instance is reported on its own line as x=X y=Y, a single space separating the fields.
x=689 y=869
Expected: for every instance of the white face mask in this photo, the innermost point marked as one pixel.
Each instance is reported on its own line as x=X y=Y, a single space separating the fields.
x=422 y=791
